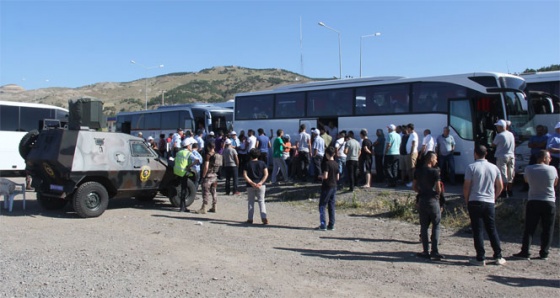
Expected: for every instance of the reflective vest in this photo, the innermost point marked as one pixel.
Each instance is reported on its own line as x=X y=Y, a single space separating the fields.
x=182 y=161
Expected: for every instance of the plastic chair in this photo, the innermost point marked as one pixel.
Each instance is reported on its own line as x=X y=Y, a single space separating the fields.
x=9 y=190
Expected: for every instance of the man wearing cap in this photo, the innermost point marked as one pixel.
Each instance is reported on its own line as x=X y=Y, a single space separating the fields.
x=235 y=142
x=231 y=164
x=553 y=146
x=183 y=169
x=392 y=152
x=504 y=142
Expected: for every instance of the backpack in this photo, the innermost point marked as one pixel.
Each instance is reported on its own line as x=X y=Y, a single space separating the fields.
x=215 y=163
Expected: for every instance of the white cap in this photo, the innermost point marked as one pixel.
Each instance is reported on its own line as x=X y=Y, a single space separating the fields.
x=187 y=142
x=150 y=138
x=557 y=125
x=233 y=133
x=228 y=142
x=391 y=126
x=211 y=133
x=501 y=123
x=315 y=131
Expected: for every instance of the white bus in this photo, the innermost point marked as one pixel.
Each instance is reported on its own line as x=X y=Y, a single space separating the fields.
x=469 y=103
x=166 y=120
x=543 y=89
x=16 y=119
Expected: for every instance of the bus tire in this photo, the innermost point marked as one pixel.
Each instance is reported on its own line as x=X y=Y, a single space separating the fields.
x=49 y=203
x=27 y=143
x=175 y=194
x=90 y=199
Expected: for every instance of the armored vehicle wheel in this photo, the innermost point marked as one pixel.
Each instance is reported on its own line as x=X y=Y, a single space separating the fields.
x=175 y=194
x=27 y=142
x=90 y=199
x=48 y=203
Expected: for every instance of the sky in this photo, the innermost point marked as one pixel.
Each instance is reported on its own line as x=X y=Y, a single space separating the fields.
x=77 y=43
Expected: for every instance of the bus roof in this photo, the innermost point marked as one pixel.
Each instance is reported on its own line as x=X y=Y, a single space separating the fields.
x=30 y=105
x=332 y=84
x=545 y=76
x=162 y=109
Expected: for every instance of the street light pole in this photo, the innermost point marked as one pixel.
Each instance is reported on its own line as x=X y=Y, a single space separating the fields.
x=361 y=38
x=339 y=49
x=146 y=79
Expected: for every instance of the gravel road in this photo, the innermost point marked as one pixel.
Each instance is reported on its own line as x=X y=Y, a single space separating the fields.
x=151 y=250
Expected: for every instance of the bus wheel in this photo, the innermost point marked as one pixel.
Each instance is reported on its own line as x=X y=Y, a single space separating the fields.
x=27 y=142
x=90 y=199
x=48 y=203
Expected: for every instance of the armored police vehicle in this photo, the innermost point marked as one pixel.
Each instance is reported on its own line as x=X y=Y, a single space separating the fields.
x=86 y=167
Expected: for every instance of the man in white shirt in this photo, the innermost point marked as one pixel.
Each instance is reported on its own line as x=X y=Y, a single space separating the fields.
x=411 y=152
x=504 y=142
x=341 y=156
x=303 y=145
x=251 y=140
x=428 y=143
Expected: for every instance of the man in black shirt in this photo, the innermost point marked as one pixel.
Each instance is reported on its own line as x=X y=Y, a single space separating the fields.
x=330 y=175
x=428 y=186
x=366 y=158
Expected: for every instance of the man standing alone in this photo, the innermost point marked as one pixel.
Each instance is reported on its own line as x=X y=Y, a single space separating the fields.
x=483 y=183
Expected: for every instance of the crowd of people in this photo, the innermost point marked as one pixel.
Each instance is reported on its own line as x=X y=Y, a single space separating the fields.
x=338 y=158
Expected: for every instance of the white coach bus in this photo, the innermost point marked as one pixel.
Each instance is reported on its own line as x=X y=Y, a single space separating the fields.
x=469 y=104
x=166 y=120
x=18 y=118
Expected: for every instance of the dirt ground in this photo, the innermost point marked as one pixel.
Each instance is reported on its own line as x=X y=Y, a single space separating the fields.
x=151 y=250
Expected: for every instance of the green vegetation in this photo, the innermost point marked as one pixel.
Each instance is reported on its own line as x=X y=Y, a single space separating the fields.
x=552 y=67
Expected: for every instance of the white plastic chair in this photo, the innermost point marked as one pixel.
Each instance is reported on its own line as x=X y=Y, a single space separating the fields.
x=9 y=190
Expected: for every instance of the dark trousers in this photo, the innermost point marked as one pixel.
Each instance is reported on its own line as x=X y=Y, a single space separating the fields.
x=430 y=213
x=447 y=167
x=392 y=169
x=545 y=212
x=231 y=172
x=379 y=169
x=482 y=216
x=317 y=159
x=327 y=201
x=302 y=164
x=351 y=173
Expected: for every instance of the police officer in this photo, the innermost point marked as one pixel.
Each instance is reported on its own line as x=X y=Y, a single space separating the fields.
x=183 y=163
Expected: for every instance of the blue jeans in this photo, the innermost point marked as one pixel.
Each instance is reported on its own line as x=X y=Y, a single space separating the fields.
x=327 y=200
x=482 y=216
x=447 y=166
x=341 y=169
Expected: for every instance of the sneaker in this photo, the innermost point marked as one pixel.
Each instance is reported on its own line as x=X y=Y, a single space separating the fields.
x=321 y=228
x=423 y=255
x=544 y=258
x=265 y=221
x=521 y=255
x=476 y=262
x=249 y=221
x=436 y=256
x=330 y=228
x=500 y=261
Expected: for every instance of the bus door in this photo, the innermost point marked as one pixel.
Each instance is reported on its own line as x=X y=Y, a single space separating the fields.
x=461 y=118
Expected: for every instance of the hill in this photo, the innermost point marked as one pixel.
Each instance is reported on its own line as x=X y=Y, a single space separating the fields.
x=217 y=84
